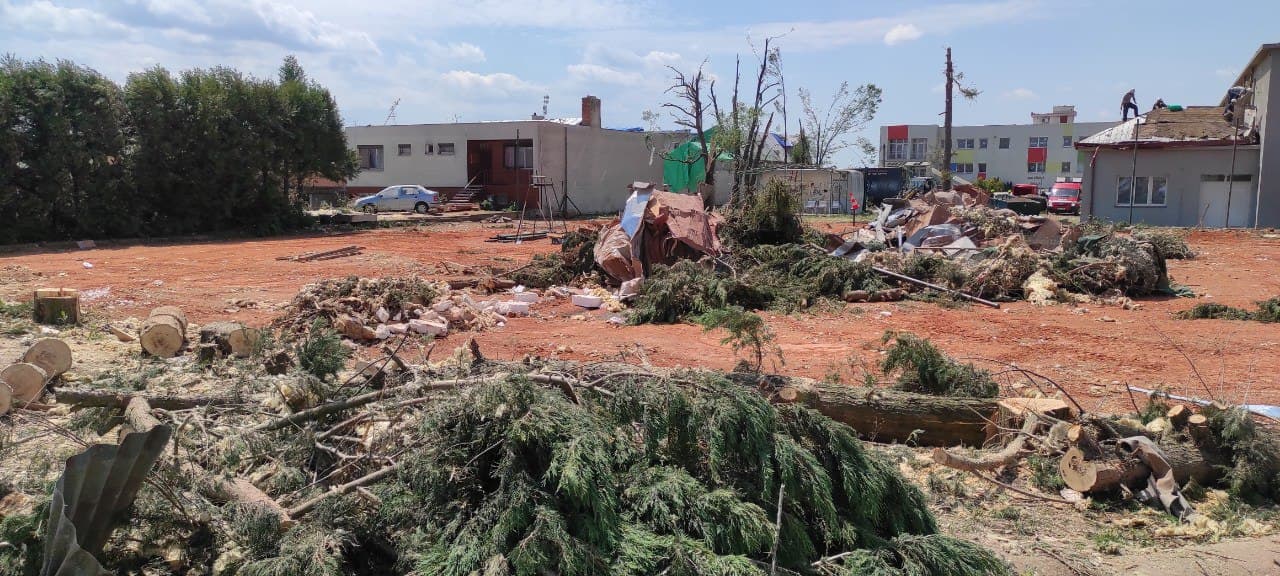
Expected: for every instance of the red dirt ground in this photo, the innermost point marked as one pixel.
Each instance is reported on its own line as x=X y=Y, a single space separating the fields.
x=1093 y=350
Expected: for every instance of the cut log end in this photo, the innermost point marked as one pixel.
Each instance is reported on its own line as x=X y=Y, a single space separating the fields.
x=56 y=306
x=788 y=394
x=26 y=381
x=1178 y=415
x=50 y=354
x=162 y=338
x=1078 y=473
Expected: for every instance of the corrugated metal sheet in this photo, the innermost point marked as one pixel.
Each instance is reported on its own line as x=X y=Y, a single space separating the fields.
x=97 y=485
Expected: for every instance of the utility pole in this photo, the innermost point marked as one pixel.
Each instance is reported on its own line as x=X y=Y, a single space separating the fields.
x=946 y=128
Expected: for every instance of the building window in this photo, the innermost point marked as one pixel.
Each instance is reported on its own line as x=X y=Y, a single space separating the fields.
x=964 y=143
x=1004 y=143
x=405 y=150
x=1038 y=142
x=370 y=157
x=1066 y=142
x=429 y=149
x=518 y=155
x=962 y=168
x=919 y=148
x=897 y=150
x=982 y=167
x=445 y=149
x=1066 y=167
x=1150 y=191
x=982 y=143
x=1035 y=167
x=1063 y=119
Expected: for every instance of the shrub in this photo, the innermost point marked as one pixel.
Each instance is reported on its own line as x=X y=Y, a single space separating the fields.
x=321 y=352
x=925 y=369
x=772 y=218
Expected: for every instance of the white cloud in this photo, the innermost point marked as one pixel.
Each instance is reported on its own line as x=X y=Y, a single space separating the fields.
x=496 y=84
x=305 y=28
x=902 y=33
x=453 y=52
x=595 y=73
x=1020 y=94
x=45 y=17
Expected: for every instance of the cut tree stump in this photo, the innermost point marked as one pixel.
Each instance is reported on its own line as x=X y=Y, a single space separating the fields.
x=165 y=332
x=51 y=354
x=886 y=415
x=25 y=380
x=1087 y=475
x=232 y=338
x=1178 y=415
x=56 y=306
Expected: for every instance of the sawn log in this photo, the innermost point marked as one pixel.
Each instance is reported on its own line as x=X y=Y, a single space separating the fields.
x=886 y=415
x=1107 y=474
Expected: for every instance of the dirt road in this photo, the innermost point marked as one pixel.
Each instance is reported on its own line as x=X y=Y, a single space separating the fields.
x=1091 y=349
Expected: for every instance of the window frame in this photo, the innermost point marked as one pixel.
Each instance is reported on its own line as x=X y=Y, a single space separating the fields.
x=983 y=143
x=924 y=150
x=1065 y=166
x=513 y=155
x=1067 y=141
x=440 y=149
x=404 y=149
x=901 y=145
x=1148 y=182
x=982 y=167
x=1004 y=143
x=1033 y=140
x=1032 y=167
x=379 y=155
x=964 y=143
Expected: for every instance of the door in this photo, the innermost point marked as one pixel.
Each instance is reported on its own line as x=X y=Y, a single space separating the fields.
x=1214 y=201
x=407 y=198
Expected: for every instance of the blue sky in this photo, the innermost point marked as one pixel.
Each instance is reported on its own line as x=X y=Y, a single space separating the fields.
x=495 y=59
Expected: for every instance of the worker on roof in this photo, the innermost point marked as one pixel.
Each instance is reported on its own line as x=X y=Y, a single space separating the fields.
x=1160 y=105
x=1127 y=104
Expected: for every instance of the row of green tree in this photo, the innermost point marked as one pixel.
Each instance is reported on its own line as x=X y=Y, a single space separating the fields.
x=202 y=151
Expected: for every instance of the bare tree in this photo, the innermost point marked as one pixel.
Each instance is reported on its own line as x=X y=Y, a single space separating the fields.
x=850 y=111
x=741 y=128
x=688 y=111
x=953 y=79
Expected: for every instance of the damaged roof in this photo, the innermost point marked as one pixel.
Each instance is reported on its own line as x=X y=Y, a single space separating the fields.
x=1191 y=126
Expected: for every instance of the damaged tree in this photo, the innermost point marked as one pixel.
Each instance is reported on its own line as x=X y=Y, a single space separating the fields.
x=849 y=112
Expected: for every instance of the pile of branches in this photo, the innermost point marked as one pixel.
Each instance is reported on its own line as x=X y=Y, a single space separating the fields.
x=1112 y=263
x=359 y=298
x=480 y=468
x=1266 y=311
x=575 y=262
x=921 y=367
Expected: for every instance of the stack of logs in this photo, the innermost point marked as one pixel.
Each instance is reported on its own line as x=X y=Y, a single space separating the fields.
x=1092 y=464
x=24 y=381
x=164 y=335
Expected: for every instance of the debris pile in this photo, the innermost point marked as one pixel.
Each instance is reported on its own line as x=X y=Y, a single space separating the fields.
x=1266 y=311
x=365 y=309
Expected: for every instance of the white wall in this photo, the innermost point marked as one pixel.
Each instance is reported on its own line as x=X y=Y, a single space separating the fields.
x=1182 y=168
x=420 y=168
x=601 y=164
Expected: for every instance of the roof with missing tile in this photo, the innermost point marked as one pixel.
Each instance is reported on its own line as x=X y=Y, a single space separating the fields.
x=1193 y=125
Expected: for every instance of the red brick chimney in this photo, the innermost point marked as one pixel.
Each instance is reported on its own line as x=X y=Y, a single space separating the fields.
x=591 y=111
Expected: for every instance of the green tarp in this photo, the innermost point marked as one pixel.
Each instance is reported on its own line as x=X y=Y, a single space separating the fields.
x=681 y=175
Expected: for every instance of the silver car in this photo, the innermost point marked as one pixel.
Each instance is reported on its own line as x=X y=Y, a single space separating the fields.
x=401 y=197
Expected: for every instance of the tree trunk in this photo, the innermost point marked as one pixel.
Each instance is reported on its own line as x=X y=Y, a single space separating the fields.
x=1107 y=474
x=946 y=128
x=98 y=398
x=138 y=414
x=56 y=306
x=51 y=354
x=886 y=415
x=25 y=380
x=231 y=338
x=165 y=332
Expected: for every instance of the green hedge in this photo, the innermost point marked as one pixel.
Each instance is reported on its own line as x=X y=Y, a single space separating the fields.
x=203 y=151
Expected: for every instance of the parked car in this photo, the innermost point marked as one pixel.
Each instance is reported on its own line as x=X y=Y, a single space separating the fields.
x=401 y=197
x=1064 y=198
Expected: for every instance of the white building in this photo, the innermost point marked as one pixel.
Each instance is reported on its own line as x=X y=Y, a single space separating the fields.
x=1196 y=166
x=594 y=165
x=1035 y=153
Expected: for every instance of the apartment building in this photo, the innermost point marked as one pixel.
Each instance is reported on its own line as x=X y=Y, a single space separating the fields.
x=1036 y=153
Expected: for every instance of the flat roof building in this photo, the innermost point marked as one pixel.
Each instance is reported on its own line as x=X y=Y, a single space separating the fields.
x=1036 y=153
